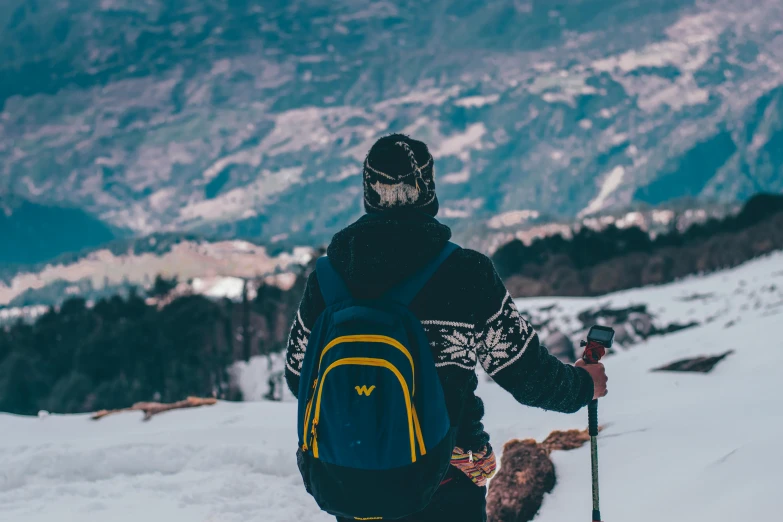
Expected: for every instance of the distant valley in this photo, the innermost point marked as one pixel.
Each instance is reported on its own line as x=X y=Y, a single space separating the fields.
x=234 y=119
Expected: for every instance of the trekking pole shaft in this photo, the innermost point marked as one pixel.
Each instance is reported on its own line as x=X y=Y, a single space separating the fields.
x=599 y=339
x=592 y=411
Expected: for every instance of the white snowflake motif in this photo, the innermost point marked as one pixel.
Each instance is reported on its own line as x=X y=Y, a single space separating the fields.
x=524 y=325
x=297 y=345
x=459 y=347
x=298 y=357
x=301 y=343
x=453 y=342
x=504 y=339
x=495 y=345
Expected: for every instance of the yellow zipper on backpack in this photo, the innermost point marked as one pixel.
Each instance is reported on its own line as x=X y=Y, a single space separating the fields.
x=307 y=416
x=367 y=361
x=419 y=435
x=362 y=338
x=367 y=338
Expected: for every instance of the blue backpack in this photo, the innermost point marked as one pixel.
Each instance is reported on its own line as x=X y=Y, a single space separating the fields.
x=375 y=438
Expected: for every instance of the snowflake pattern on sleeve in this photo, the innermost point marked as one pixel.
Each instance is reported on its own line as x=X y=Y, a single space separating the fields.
x=503 y=339
x=297 y=344
x=453 y=342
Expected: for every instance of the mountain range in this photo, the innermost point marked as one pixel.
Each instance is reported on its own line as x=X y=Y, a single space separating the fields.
x=233 y=118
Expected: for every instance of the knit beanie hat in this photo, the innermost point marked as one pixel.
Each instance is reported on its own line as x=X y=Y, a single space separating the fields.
x=399 y=172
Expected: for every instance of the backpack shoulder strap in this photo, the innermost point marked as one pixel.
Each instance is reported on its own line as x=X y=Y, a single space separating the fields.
x=409 y=289
x=331 y=283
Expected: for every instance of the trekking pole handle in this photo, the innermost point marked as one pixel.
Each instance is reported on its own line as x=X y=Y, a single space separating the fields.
x=594 y=352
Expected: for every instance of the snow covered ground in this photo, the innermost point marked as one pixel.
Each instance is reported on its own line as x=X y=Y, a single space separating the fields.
x=677 y=447
x=727 y=298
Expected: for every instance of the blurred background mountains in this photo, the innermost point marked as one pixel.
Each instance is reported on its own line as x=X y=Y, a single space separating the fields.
x=240 y=119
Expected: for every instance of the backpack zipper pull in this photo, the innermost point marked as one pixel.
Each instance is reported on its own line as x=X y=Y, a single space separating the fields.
x=315 y=440
x=305 y=447
x=470 y=456
x=307 y=415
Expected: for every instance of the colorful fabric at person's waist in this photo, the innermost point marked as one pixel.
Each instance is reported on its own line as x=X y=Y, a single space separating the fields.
x=479 y=466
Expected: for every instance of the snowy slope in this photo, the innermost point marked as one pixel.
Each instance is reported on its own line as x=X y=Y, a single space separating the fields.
x=677 y=447
x=726 y=298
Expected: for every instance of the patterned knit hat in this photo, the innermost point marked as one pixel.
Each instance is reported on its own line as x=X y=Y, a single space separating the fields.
x=399 y=172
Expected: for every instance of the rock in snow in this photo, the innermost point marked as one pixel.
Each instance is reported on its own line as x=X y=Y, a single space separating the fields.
x=703 y=364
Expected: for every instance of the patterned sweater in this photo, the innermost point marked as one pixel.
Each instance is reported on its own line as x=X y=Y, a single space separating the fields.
x=468 y=316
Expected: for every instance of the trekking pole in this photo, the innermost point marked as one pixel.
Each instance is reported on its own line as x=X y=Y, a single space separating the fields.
x=598 y=340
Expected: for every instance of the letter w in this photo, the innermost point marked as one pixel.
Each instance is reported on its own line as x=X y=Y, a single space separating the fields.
x=363 y=390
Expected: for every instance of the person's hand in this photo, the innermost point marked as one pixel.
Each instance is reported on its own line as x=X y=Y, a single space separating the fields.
x=598 y=373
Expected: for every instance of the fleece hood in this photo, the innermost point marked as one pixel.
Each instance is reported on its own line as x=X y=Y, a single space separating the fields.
x=379 y=251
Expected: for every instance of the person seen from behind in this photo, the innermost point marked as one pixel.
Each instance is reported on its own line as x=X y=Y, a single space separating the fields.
x=383 y=353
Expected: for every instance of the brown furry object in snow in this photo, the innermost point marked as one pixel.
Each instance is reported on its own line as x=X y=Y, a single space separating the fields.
x=526 y=475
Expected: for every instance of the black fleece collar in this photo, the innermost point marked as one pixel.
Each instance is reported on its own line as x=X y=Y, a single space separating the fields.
x=380 y=250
